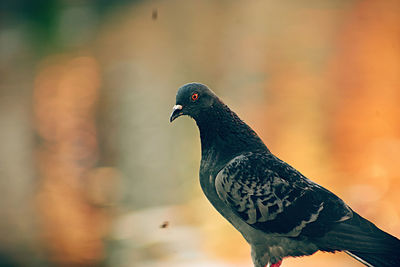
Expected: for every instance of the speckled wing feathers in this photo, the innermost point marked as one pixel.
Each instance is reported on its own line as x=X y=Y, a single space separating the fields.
x=248 y=195
x=256 y=190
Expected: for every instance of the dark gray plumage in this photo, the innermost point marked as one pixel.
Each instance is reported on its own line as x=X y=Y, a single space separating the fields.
x=278 y=211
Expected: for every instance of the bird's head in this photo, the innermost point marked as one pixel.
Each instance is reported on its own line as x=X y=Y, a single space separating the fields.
x=192 y=99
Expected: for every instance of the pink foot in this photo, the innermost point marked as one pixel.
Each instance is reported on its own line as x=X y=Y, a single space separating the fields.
x=276 y=264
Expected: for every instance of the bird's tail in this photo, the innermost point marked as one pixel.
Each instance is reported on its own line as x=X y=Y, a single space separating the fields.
x=385 y=248
x=365 y=242
x=376 y=260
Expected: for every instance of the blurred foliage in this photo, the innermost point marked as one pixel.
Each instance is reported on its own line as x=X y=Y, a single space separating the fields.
x=45 y=17
x=93 y=174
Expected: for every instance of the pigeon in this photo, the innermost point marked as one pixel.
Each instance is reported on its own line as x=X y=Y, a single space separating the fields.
x=278 y=211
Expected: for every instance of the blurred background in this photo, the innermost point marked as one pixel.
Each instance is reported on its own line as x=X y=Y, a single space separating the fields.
x=93 y=174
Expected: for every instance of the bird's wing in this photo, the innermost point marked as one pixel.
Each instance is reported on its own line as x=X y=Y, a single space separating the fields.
x=273 y=197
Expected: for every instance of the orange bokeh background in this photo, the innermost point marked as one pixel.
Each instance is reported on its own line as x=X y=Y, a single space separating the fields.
x=92 y=172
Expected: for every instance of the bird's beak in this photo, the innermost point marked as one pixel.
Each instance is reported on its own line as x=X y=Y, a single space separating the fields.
x=176 y=112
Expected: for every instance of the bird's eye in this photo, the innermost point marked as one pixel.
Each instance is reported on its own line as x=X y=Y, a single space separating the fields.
x=195 y=96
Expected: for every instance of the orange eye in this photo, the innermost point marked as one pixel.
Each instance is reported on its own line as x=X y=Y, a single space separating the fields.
x=195 y=96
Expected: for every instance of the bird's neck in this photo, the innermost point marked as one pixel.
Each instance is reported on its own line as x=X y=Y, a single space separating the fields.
x=224 y=135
